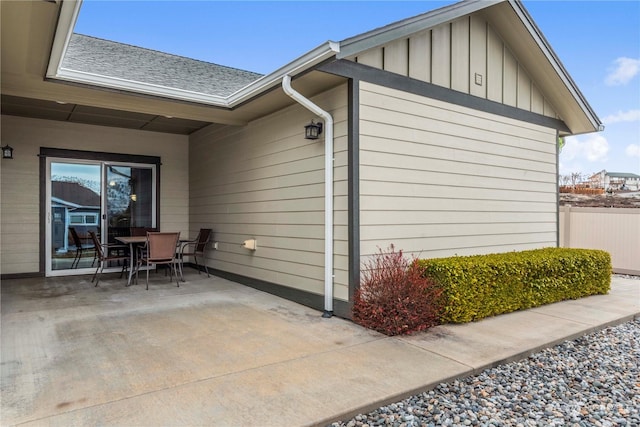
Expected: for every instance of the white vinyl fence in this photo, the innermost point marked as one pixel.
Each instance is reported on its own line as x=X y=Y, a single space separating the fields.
x=615 y=230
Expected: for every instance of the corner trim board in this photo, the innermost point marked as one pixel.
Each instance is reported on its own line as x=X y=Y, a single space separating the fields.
x=353 y=182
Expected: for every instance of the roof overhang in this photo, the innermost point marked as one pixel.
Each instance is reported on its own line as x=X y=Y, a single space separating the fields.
x=68 y=16
x=36 y=34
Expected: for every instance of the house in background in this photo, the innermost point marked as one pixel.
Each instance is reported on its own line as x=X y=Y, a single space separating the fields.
x=615 y=181
x=72 y=205
x=472 y=88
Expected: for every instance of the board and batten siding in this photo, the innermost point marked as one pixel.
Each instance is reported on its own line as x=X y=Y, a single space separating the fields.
x=438 y=180
x=465 y=55
x=20 y=208
x=265 y=181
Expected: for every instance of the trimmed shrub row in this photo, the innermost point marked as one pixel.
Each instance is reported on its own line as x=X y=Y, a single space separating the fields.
x=475 y=287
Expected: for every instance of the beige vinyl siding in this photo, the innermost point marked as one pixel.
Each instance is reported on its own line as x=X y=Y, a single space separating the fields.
x=537 y=100
x=420 y=56
x=524 y=90
x=397 y=56
x=495 y=66
x=20 y=208
x=265 y=181
x=478 y=57
x=460 y=55
x=510 y=76
x=372 y=58
x=465 y=55
x=441 y=55
x=438 y=179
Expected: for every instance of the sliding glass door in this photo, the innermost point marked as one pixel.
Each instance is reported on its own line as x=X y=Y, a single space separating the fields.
x=130 y=200
x=83 y=196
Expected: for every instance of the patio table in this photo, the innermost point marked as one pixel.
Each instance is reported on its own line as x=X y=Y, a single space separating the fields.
x=134 y=241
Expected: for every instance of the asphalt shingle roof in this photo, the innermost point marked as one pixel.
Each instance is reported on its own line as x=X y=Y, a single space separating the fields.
x=73 y=192
x=112 y=59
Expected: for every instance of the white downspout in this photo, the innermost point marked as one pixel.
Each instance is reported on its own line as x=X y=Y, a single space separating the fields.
x=328 y=190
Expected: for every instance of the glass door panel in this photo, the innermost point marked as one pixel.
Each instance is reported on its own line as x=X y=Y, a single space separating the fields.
x=74 y=198
x=130 y=200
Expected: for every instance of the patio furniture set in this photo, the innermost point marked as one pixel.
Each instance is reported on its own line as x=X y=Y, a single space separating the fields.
x=148 y=248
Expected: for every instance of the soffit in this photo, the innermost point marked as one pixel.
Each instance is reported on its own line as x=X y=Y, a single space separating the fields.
x=27 y=30
x=75 y=113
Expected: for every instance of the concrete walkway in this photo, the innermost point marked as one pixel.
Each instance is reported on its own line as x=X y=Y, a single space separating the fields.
x=216 y=353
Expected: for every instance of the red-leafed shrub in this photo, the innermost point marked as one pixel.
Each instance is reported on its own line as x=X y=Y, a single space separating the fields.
x=394 y=298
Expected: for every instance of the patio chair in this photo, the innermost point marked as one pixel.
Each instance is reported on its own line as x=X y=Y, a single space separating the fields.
x=196 y=248
x=80 y=248
x=107 y=253
x=141 y=231
x=160 y=250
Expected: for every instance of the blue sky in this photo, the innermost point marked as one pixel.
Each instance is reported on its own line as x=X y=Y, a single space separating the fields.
x=597 y=41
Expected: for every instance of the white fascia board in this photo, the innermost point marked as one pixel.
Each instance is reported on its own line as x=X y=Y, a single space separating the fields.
x=66 y=23
x=63 y=203
x=381 y=36
x=555 y=62
x=306 y=61
x=138 y=87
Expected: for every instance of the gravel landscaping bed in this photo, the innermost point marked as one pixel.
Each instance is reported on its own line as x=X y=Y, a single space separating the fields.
x=591 y=381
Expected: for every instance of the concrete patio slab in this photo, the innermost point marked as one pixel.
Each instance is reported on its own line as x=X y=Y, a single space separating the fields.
x=213 y=352
x=512 y=336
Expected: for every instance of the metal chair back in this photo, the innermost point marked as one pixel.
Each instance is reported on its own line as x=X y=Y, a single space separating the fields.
x=76 y=239
x=203 y=239
x=161 y=246
x=97 y=245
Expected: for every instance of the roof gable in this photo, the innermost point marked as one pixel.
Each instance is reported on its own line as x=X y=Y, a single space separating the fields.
x=496 y=43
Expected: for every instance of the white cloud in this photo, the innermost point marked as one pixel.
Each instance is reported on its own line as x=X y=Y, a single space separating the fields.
x=623 y=116
x=632 y=150
x=623 y=70
x=593 y=148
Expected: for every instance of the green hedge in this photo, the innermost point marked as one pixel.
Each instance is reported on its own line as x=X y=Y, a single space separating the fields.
x=479 y=286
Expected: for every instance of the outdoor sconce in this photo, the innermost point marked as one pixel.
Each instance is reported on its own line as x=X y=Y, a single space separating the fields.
x=312 y=130
x=7 y=152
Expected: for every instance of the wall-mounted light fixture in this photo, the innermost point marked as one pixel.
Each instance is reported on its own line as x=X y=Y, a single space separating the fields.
x=7 y=152
x=312 y=130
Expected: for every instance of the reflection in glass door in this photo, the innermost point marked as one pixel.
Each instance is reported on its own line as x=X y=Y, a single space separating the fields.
x=75 y=202
x=93 y=196
x=130 y=199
